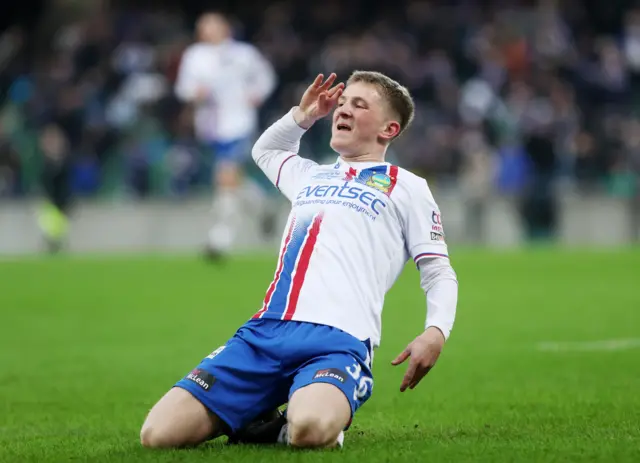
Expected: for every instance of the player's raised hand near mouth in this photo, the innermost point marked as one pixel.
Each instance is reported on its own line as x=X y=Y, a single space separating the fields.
x=422 y=352
x=318 y=100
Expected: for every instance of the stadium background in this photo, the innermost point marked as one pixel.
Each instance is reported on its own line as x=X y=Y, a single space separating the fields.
x=527 y=121
x=527 y=128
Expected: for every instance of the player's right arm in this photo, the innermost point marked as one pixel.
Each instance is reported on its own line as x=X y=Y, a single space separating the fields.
x=276 y=151
x=188 y=87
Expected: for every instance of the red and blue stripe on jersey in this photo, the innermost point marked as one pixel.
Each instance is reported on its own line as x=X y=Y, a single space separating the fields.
x=281 y=299
x=392 y=172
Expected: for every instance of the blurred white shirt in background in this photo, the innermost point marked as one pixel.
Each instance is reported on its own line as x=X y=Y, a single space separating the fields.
x=237 y=77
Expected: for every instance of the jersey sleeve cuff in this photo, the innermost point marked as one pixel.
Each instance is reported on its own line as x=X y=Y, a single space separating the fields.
x=429 y=250
x=291 y=126
x=445 y=331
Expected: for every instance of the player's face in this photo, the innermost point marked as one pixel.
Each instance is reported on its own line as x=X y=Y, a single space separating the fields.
x=359 y=120
x=213 y=28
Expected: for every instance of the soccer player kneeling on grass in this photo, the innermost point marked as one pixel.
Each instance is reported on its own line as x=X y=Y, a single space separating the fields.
x=352 y=227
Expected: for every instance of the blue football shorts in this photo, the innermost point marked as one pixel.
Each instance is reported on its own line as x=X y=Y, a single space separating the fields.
x=233 y=151
x=267 y=360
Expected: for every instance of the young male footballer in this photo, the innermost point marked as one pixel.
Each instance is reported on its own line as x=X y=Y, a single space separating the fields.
x=353 y=226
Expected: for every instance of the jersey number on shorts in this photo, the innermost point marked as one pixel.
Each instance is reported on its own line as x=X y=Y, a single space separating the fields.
x=215 y=352
x=365 y=384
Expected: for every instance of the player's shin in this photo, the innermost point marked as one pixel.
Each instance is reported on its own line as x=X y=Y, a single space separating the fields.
x=226 y=211
x=260 y=202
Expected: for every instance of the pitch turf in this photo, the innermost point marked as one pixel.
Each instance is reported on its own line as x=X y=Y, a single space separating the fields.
x=87 y=345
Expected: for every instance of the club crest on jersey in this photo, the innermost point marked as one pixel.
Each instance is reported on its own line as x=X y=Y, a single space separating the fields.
x=380 y=182
x=375 y=177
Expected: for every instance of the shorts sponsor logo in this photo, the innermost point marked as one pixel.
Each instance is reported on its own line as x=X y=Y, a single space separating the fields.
x=437 y=236
x=202 y=378
x=330 y=373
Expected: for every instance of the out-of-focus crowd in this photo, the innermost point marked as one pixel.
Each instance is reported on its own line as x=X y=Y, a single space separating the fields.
x=509 y=96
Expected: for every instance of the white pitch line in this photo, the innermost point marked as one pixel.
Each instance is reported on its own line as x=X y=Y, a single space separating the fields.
x=586 y=346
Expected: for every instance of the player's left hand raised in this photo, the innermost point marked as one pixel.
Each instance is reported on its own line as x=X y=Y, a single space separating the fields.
x=422 y=352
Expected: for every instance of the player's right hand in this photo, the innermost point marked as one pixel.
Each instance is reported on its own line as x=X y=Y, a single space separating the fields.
x=318 y=100
x=202 y=95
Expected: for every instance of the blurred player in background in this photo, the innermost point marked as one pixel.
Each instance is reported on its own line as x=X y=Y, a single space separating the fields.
x=227 y=81
x=353 y=226
x=53 y=215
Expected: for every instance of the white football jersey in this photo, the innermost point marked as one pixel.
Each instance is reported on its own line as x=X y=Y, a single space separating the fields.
x=234 y=72
x=351 y=230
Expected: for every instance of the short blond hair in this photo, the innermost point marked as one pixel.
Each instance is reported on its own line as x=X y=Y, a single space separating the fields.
x=397 y=96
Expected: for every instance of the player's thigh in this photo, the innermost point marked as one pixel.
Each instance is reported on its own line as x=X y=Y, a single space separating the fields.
x=178 y=419
x=325 y=395
x=228 y=175
x=230 y=158
x=240 y=380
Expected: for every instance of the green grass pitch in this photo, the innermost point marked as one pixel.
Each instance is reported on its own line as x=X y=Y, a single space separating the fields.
x=87 y=345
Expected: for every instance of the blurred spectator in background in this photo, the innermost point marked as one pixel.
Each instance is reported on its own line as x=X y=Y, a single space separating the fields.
x=9 y=170
x=476 y=179
x=53 y=216
x=522 y=99
x=227 y=81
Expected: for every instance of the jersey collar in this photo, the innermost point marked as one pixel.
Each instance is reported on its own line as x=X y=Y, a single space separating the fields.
x=341 y=163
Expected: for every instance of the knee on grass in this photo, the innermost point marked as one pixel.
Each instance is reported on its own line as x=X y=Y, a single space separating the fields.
x=313 y=432
x=154 y=437
x=178 y=420
x=158 y=436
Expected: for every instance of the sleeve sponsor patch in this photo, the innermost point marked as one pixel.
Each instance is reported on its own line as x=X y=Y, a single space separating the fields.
x=437 y=236
x=436 y=224
x=436 y=218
